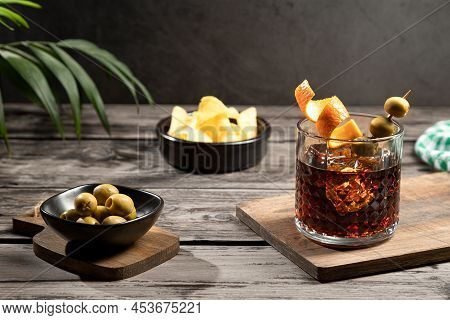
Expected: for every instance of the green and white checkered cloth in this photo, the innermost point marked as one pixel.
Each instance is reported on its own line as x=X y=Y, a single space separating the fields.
x=433 y=146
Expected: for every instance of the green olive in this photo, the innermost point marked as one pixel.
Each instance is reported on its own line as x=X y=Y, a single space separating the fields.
x=85 y=203
x=365 y=148
x=131 y=216
x=396 y=106
x=81 y=220
x=113 y=220
x=382 y=127
x=103 y=192
x=120 y=205
x=90 y=220
x=73 y=215
x=101 y=213
x=63 y=215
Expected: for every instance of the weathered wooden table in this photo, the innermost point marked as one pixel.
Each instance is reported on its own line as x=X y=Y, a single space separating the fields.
x=220 y=258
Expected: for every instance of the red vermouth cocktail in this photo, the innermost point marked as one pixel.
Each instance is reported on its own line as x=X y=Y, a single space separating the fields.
x=348 y=185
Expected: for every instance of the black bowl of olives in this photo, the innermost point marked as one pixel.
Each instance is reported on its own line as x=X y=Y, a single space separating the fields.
x=102 y=214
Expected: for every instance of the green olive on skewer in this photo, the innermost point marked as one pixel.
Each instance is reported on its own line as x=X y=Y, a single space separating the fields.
x=364 y=147
x=396 y=107
x=382 y=127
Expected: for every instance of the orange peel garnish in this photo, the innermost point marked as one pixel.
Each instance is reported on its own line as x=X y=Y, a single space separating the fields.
x=304 y=94
x=310 y=108
x=331 y=116
x=347 y=131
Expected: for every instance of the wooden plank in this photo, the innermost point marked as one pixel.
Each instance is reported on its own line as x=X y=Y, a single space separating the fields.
x=423 y=235
x=154 y=248
x=55 y=163
x=27 y=121
x=194 y=215
x=214 y=272
x=199 y=202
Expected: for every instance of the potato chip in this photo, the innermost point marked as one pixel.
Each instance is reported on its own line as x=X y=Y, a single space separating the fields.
x=214 y=126
x=193 y=120
x=210 y=107
x=233 y=113
x=211 y=122
x=248 y=123
x=230 y=134
x=191 y=134
x=178 y=121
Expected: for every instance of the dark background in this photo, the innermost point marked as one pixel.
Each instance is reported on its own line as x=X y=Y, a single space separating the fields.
x=257 y=51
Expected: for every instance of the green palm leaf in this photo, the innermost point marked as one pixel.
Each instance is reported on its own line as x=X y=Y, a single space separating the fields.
x=17 y=80
x=99 y=56
x=86 y=83
x=65 y=77
x=14 y=17
x=114 y=65
x=34 y=77
x=22 y=3
x=23 y=54
x=6 y=25
x=3 y=131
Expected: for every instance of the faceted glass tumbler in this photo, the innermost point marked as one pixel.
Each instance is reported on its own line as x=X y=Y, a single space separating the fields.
x=346 y=197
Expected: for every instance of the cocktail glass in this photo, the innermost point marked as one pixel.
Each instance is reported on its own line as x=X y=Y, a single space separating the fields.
x=343 y=198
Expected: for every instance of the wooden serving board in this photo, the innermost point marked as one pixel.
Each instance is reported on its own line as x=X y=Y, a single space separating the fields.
x=422 y=237
x=154 y=248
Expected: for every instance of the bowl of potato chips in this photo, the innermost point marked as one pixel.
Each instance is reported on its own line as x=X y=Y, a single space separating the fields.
x=214 y=138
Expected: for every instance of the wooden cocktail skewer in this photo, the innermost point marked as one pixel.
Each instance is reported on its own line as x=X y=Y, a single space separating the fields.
x=406 y=94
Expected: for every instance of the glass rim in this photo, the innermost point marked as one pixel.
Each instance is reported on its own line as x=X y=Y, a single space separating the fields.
x=398 y=134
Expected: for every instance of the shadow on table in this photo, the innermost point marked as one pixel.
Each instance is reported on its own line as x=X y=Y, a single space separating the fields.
x=179 y=277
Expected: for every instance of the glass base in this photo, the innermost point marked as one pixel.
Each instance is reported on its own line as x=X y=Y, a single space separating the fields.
x=339 y=242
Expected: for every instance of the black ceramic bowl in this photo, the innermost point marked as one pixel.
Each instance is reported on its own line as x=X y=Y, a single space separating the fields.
x=202 y=157
x=148 y=208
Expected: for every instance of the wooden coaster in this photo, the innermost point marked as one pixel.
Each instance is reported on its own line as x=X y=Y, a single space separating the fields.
x=422 y=237
x=154 y=248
